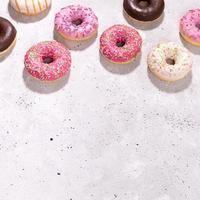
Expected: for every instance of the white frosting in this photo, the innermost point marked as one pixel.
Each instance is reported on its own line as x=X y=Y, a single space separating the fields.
x=169 y=72
x=30 y=7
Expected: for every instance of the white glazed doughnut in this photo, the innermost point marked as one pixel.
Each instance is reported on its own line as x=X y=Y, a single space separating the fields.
x=169 y=61
x=30 y=7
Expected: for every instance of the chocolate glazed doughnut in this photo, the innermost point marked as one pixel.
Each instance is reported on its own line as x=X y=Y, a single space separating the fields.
x=144 y=10
x=7 y=35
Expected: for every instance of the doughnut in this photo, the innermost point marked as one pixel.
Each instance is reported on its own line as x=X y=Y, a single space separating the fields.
x=190 y=27
x=48 y=61
x=76 y=22
x=7 y=36
x=120 y=44
x=144 y=10
x=30 y=7
x=169 y=61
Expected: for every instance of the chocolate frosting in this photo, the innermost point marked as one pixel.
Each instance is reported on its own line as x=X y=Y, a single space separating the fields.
x=7 y=34
x=144 y=10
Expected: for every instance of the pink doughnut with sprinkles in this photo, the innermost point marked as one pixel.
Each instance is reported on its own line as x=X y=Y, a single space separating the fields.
x=48 y=61
x=190 y=27
x=120 y=44
x=76 y=22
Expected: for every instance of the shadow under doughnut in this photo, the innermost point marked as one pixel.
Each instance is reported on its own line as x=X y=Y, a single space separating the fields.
x=118 y=68
x=75 y=44
x=8 y=51
x=44 y=87
x=144 y=25
x=19 y=17
x=189 y=46
x=170 y=87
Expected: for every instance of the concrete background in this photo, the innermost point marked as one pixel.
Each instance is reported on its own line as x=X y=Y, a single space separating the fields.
x=104 y=132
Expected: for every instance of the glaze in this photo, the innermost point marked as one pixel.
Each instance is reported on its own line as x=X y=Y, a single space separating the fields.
x=30 y=7
x=48 y=61
x=7 y=34
x=190 y=27
x=120 y=43
x=76 y=22
x=169 y=61
x=144 y=10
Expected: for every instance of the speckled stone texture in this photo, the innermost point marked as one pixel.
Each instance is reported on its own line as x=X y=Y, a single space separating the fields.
x=105 y=132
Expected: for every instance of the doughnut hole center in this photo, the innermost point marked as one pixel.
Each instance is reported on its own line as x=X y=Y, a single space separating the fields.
x=198 y=25
x=144 y=3
x=77 y=22
x=47 y=59
x=170 y=61
x=2 y=30
x=120 y=42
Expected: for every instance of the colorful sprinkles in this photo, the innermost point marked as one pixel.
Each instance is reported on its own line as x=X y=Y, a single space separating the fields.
x=190 y=26
x=181 y=61
x=120 y=43
x=48 y=61
x=76 y=22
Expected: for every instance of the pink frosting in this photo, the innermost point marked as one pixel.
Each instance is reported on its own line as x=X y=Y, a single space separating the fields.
x=190 y=25
x=65 y=18
x=58 y=56
x=120 y=34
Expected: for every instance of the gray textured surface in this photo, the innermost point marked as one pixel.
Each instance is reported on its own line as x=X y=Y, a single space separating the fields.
x=118 y=132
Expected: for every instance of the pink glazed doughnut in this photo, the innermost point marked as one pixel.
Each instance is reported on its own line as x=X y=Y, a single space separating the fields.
x=190 y=27
x=76 y=22
x=120 y=44
x=48 y=61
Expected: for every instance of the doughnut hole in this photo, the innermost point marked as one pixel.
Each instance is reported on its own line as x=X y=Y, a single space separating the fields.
x=77 y=22
x=198 y=25
x=144 y=3
x=2 y=30
x=47 y=59
x=120 y=42
x=170 y=61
